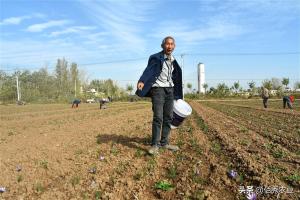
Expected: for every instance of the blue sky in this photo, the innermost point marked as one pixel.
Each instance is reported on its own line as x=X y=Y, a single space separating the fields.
x=237 y=40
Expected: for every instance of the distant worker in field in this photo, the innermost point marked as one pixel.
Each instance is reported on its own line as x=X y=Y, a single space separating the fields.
x=103 y=102
x=288 y=100
x=75 y=103
x=265 y=96
x=162 y=81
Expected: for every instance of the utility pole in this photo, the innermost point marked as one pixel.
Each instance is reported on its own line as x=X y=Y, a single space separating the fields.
x=182 y=65
x=75 y=87
x=18 y=89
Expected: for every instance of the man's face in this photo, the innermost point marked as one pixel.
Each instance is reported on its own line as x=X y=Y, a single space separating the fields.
x=169 y=46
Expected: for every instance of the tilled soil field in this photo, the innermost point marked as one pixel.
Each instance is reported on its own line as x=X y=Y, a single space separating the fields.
x=55 y=152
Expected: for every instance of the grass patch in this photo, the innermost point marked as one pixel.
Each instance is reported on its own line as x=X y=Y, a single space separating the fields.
x=278 y=153
x=139 y=153
x=269 y=146
x=179 y=142
x=243 y=129
x=293 y=179
x=39 y=187
x=151 y=164
x=275 y=150
x=198 y=179
x=138 y=175
x=10 y=133
x=216 y=147
x=114 y=151
x=195 y=145
x=245 y=142
x=276 y=169
x=98 y=139
x=98 y=195
x=44 y=164
x=241 y=178
x=200 y=122
x=172 y=172
x=163 y=185
x=180 y=157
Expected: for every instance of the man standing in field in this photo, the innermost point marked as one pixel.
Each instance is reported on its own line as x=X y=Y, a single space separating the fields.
x=162 y=81
x=265 y=96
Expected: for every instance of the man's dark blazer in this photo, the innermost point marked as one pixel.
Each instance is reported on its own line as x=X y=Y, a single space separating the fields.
x=152 y=72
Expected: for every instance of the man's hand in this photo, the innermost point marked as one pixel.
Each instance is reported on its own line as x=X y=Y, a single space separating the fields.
x=140 y=85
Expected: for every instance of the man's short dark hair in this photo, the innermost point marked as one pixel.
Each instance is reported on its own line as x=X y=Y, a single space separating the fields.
x=165 y=39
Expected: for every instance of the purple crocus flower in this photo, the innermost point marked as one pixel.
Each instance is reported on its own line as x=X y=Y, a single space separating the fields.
x=251 y=196
x=232 y=174
x=18 y=168
x=101 y=158
x=2 y=189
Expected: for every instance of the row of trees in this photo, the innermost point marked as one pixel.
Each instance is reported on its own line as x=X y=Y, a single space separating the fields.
x=223 y=90
x=62 y=85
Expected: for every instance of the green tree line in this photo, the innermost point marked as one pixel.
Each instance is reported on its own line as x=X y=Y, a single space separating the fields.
x=223 y=90
x=62 y=85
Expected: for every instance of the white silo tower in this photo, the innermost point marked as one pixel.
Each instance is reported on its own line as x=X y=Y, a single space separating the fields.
x=201 y=78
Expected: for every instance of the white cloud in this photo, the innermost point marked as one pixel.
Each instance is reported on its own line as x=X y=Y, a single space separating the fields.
x=191 y=33
x=49 y=24
x=14 y=20
x=19 y=19
x=123 y=20
x=74 y=29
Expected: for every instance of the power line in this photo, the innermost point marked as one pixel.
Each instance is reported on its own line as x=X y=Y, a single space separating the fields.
x=110 y=62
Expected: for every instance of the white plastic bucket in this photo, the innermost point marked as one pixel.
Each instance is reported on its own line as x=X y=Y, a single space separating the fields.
x=181 y=110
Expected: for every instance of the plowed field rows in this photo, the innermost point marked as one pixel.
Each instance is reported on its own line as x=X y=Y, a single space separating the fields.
x=55 y=152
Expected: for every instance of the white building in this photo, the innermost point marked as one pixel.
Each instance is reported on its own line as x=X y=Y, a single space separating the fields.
x=201 y=78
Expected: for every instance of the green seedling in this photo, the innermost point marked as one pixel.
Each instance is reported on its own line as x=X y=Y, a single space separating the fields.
x=39 y=188
x=139 y=153
x=163 y=185
x=293 y=179
x=275 y=169
x=44 y=164
x=19 y=178
x=98 y=195
x=243 y=129
x=278 y=153
x=216 y=147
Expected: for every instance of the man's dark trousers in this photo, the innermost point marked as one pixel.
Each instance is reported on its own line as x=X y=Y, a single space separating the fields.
x=162 y=107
